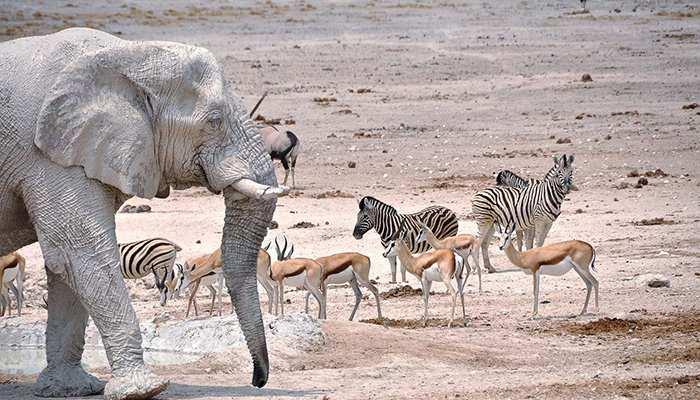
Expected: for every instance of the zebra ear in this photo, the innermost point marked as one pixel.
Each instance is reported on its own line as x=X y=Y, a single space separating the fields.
x=571 y=159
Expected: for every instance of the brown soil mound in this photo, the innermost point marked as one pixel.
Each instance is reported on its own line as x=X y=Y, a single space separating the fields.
x=648 y=327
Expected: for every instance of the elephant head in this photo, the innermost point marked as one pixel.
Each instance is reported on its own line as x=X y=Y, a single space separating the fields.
x=144 y=116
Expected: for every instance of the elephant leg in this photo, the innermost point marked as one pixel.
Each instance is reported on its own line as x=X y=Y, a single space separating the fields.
x=118 y=325
x=65 y=339
x=74 y=219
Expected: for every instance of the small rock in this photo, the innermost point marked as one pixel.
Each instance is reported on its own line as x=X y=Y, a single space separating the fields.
x=388 y=165
x=352 y=164
x=274 y=225
x=332 y=135
x=608 y=137
x=642 y=182
x=563 y=140
x=690 y=106
x=198 y=241
x=586 y=78
x=143 y=208
x=302 y=225
x=633 y=174
x=653 y=280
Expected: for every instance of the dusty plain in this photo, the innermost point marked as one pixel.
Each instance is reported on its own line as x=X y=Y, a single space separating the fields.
x=430 y=100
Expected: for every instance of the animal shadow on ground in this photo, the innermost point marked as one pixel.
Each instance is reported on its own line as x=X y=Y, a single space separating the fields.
x=24 y=390
x=184 y=391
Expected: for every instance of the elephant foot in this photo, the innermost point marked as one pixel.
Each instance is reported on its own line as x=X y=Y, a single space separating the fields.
x=67 y=381
x=138 y=384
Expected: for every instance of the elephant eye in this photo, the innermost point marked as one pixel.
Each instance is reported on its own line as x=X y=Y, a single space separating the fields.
x=215 y=122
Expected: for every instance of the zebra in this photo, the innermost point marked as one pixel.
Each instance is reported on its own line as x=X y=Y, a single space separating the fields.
x=509 y=178
x=156 y=256
x=512 y=208
x=386 y=221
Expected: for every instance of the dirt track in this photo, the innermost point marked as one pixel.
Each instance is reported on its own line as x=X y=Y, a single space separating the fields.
x=451 y=94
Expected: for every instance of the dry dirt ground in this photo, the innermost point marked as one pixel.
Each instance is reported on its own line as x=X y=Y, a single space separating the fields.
x=454 y=92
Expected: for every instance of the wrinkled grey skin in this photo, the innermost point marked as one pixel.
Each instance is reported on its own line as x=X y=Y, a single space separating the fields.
x=88 y=120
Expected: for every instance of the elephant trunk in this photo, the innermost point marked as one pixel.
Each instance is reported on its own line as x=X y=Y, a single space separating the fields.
x=245 y=226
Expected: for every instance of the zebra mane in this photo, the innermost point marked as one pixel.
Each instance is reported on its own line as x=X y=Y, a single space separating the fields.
x=509 y=178
x=371 y=201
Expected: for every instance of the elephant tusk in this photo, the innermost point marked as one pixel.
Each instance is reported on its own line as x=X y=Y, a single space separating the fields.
x=254 y=190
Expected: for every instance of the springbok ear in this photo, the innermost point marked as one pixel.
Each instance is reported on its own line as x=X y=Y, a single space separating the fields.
x=98 y=116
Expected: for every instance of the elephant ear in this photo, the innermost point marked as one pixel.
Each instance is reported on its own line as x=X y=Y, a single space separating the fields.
x=98 y=116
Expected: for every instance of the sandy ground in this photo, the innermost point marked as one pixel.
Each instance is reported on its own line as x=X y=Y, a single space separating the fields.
x=456 y=92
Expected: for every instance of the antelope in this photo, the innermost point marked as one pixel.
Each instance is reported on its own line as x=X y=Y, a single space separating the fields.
x=205 y=270
x=556 y=260
x=462 y=245
x=429 y=267
x=297 y=272
x=347 y=268
x=283 y=146
x=12 y=268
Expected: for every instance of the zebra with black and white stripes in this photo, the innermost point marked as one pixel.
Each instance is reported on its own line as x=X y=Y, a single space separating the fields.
x=512 y=208
x=542 y=227
x=386 y=221
x=156 y=256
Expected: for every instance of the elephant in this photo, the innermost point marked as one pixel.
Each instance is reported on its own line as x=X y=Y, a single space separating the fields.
x=88 y=120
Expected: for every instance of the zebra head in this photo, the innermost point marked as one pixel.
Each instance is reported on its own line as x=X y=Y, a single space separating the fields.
x=564 y=172
x=364 y=218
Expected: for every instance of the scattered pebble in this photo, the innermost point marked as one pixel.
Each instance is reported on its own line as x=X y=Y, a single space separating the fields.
x=352 y=164
x=586 y=78
x=129 y=209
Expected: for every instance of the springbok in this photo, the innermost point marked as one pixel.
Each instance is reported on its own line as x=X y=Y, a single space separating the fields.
x=297 y=272
x=556 y=260
x=463 y=245
x=349 y=268
x=429 y=267
x=12 y=268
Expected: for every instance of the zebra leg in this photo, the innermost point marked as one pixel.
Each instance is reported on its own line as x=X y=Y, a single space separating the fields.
x=392 y=265
x=486 y=232
x=519 y=239
x=530 y=237
x=65 y=340
x=543 y=231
